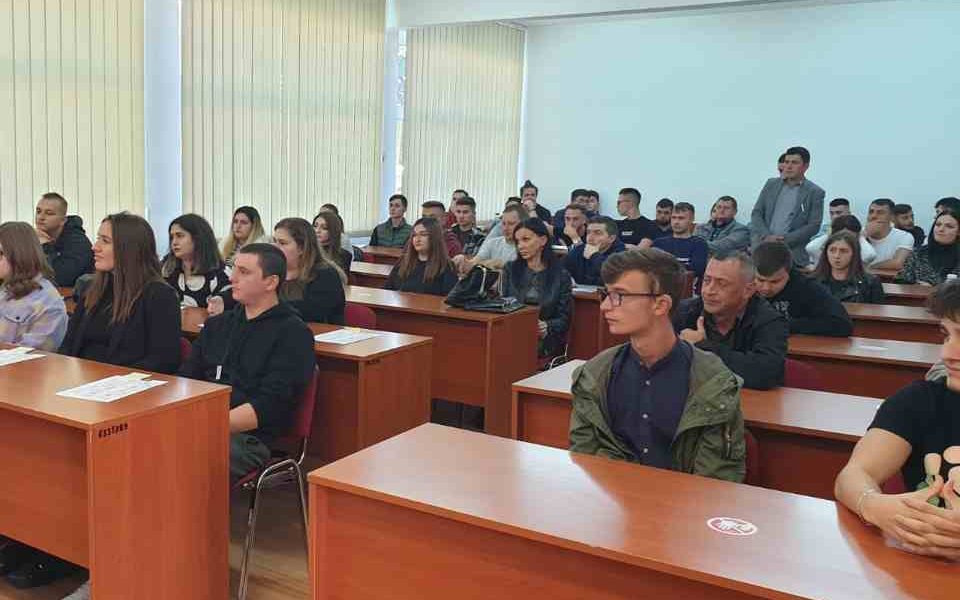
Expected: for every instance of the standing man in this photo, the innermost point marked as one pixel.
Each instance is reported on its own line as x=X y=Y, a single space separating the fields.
x=64 y=242
x=636 y=231
x=790 y=207
x=723 y=232
x=395 y=231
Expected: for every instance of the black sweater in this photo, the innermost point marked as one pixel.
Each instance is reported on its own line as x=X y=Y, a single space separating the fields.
x=756 y=349
x=149 y=339
x=811 y=309
x=439 y=286
x=322 y=299
x=71 y=254
x=268 y=360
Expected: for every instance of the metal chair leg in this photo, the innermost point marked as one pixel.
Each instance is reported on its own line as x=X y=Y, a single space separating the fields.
x=303 y=509
x=248 y=542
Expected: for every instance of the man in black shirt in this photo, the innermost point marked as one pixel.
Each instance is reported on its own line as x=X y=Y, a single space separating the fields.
x=903 y=220
x=262 y=349
x=636 y=231
x=664 y=215
x=808 y=306
x=64 y=242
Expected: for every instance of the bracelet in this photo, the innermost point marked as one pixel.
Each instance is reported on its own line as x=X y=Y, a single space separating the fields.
x=860 y=499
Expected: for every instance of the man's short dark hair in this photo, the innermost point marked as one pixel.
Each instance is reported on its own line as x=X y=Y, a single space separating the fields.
x=401 y=198
x=434 y=204
x=512 y=200
x=782 y=159
x=578 y=192
x=839 y=202
x=685 y=207
x=887 y=202
x=770 y=257
x=944 y=301
x=949 y=203
x=800 y=151
x=60 y=200
x=467 y=201
x=902 y=209
x=464 y=192
x=331 y=208
x=729 y=199
x=628 y=191
x=667 y=275
x=609 y=224
x=846 y=222
x=665 y=203
x=582 y=210
x=593 y=194
x=516 y=209
x=269 y=257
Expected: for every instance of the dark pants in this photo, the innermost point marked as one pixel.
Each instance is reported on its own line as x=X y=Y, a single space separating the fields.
x=247 y=453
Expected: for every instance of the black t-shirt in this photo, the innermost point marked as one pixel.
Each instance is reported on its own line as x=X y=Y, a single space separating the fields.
x=632 y=231
x=927 y=415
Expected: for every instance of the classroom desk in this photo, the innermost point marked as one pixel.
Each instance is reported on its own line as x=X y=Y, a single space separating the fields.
x=382 y=254
x=369 y=274
x=368 y=391
x=135 y=490
x=893 y=322
x=805 y=437
x=885 y=275
x=863 y=366
x=444 y=513
x=476 y=355
x=906 y=295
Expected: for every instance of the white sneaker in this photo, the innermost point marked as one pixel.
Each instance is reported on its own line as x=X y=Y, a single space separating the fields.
x=82 y=592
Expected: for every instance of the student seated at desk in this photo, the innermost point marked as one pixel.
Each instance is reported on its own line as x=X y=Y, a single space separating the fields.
x=329 y=228
x=245 y=228
x=583 y=262
x=731 y=320
x=657 y=400
x=921 y=419
x=498 y=251
x=436 y=210
x=395 y=231
x=193 y=265
x=841 y=271
x=63 y=239
x=32 y=312
x=314 y=285
x=807 y=305
x=263 y=350
x=930 y=264
x=689 y=249
x=536 y=277
x=424 y=267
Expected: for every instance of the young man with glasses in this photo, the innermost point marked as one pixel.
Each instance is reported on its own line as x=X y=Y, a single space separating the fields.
x=656 y=400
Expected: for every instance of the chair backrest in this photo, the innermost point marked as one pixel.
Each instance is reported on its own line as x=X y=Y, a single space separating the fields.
x=753 y=458
x=357 y=315
x=302 y=424
x=185 y=349
x=801 y=375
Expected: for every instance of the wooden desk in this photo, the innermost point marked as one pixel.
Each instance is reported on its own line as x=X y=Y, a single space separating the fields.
x=906 y=295
x=367 y=391
x=862 y=366
x=369 y=274
x=805 y=437
x=135 y=490
x=589 y=332
x=382 y=254
x=443 y=513
x=476 y=355
x=893 y=322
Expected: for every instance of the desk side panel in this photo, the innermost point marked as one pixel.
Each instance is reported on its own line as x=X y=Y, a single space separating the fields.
x=395 y=394
x=511 y=356
x=335 y=422
x=859 y=378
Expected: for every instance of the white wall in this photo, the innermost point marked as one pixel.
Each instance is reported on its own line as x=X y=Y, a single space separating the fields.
x=696 y=106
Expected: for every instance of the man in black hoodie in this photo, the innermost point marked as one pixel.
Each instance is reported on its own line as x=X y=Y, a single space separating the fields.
x=263 y=349
x=807 y=305
x=64 y=241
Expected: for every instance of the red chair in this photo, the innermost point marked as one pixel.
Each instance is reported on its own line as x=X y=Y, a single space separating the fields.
x=185 y=349
x=358 y=315
x=283 y=467
x=801 y=375
x=753 y=458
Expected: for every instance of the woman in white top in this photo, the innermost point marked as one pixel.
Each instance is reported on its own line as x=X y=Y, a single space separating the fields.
x=841 y=223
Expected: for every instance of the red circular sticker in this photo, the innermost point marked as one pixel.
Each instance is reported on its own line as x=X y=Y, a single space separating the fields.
x=731 y=526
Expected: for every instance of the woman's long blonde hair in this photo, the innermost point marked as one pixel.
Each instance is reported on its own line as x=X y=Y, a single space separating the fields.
x=312 y=258
x=256 y=230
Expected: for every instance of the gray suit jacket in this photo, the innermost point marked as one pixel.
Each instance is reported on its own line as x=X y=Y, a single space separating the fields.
x=805 y=224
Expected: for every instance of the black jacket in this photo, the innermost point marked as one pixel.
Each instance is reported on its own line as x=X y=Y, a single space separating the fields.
x=71 y=254
x=556 y=301
x=811 y=309
x=268 y=360
x=757 y=351
x=323 y=299
x=149 y=339
x=439 y=286
x=865 y=289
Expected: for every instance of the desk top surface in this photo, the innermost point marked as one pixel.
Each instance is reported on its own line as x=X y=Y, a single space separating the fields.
x=369 y=268
x=385 y=342
x=800 y=546
x=425 y=304
x=383 y=251
x=891 y=352
x=907 y=290
x=892 y=313
x=31 y=388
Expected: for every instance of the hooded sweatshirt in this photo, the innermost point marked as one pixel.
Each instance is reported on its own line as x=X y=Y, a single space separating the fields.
x=811 y=309
x=70 y=255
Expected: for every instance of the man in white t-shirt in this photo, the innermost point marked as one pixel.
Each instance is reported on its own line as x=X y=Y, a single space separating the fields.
x=892 y=245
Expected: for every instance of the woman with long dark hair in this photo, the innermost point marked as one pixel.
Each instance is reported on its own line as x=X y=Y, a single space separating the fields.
x=314 y=284
x=329 y=228
x=424 y=267
x=840 y=270
x=930 y=264
x=193 y=265
x=537 y=277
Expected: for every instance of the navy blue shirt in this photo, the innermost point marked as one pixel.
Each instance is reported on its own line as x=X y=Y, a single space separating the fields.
x=645 y=405
x=692 y=252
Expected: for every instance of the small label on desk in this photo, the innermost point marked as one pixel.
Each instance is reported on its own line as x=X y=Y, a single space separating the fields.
x=112 y=430
x=731 y=526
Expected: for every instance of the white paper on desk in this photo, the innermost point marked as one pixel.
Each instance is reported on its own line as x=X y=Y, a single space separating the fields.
x=345 y=336
x=18 y=354
x=111 y=388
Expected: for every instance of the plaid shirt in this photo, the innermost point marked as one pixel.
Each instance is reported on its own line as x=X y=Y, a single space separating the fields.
x=470 y=240
x=38 y=320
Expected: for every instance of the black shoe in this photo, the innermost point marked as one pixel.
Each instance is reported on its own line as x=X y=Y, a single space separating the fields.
x=13 y=554
x=42 y=570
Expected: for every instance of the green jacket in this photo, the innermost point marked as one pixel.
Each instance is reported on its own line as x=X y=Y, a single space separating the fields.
x=709 y=439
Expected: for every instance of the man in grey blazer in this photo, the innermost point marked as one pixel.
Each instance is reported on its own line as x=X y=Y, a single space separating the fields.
x=790 y=207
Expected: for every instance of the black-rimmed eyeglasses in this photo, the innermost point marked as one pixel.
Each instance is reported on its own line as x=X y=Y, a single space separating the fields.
x=616 y=298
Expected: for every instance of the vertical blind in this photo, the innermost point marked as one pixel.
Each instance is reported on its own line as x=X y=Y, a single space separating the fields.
x=282 y=108
x=461 y=124
x=71 y=106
